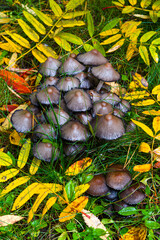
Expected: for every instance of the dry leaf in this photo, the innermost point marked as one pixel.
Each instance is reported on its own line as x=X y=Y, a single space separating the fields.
x=48 y=205
x=34 y=166
x=79 y=190
x=78 y=166
x=92 y=221
x=156 y=124
x=135 y=233
x=157 y=165
x=144 y=147
x=73 y=208
x=144 y=127
x=142 y=168
x=15 y=138
x=9 y=219
x=24 y=153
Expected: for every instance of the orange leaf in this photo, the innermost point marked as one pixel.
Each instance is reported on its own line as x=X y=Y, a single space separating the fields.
x=142 y=168
x=157 y=165
x=72 y=209
x=9 y=108
x=15 y=81
x=78 y=166
x=144 y=147
x=15 y=138
x=135 y=233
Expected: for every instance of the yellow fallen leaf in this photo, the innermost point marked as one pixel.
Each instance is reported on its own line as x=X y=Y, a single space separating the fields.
x=5 y=160
x=143 y=103
x=73 y=208
x=135 y=233
x=24 y=153
x=142 y=168
x=15 y=138
x=156 y=124
x=78 y=166
x=1 y=149
x=144 y=147
x=4 y=176
x=2 y=120
x=34 y=166
x=157 y=151
x=152 y=112
x=79 y=190
x=144 y=127
x=156 y=89
x=9 y=219
x=48 y=205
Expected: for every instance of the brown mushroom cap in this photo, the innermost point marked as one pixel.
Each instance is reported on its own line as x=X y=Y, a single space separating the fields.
x=33 y=109
x=102 y=108
x=118 y=179
x=77 y=100
x=98 y=186
x=50 y=81
x=48 y=95
x=120 y=205
x=68 y=83
x=71 y=67
x=84 y=81
x=108 y=127
x=95 y=96
x=70 y=149
x=105 y=73
x=130 y=127
x=133 y=194
x=57 y=116
x=74 y=131
x=45 y=151
x=44 y=131
x=33 y=99
x=124 y=106
x=93 y=57
x=84 y=117
x=22 y=121
x=50 y=66
x=118 y=113
x=110 y=98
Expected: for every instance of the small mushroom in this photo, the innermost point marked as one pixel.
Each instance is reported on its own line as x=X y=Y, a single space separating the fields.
x=120 y=205
x=33 y=109
x=124 y=106
x=22 y=121
x=105 y=73
x=49 y=67
x=50 y=81
x=33 y=99
x=68 y=83
x=111 y=98
x=95 y=96
x=118 y=113
x=71 y=67
x=45 y=131
x=77 y=100
x=134 y=194
x=117 y=177
x=93 y=57
x=98 y=186
x=74 y=131
x=70 y=149
x=111 y=195
x=130 y=127
x=48 y=95
x=102 y=108
x=84 y=81
x=45 y=151
x=84 y=117
x=108 y=127
x=57 y=116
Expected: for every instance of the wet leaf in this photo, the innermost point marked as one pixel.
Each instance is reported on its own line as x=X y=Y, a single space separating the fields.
x=144 y=147
x=144 y=127
x=142 y=168
x=34 y=166
x=55 y=8
x=24 y=154
x=78 y=166
x=28 y=30
x=144 y=54
x=5 y=160
x=43 y=17
x=73 y=208
x=92 y=221
x=79 y=190
x=4 y=176
x=14 y=184
x=48 y=205
x=15 y=138
x=143 y=103
x=9 y=219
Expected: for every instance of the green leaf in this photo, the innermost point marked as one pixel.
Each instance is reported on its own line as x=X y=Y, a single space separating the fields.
x=153 y=52
x=128 y=9
x=72 y=4
x=44 y=18
x=128 y=211
x=71 y=15
x=90 y=24
x=14 y=184
x=28 y=31
x=62 y=43
x=24 y=153
x=147 y=36
x=55 y=8
x=111 y=39
x=87 y=47
x=153 y=15
x=145 y=3
x=144 y=54
x=152 y=224
x=111 y=24
x=144 y=127
x=156 y=6
x=4 y=176
x=70 y=190
x=156 y=41
x=70 y=38
x=5 y=160
x=38 y=26
x=98 y=46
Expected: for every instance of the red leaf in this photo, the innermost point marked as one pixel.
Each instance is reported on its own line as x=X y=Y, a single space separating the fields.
x=15 y=81
x=157 y=165
x=9 y=108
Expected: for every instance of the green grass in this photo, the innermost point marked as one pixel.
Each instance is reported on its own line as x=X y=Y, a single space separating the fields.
x=123 y=150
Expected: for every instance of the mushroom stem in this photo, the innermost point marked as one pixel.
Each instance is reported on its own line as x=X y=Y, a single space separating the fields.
x=100 y=84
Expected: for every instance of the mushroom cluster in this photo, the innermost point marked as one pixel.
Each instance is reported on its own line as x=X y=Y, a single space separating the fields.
x=117 y=186
x=71 y=101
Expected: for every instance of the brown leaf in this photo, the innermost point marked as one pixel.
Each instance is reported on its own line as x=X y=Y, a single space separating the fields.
x=9 y=219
